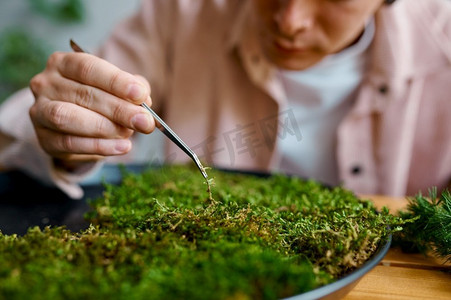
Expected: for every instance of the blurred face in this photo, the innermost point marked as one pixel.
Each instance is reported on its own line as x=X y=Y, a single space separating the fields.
x=296 y=34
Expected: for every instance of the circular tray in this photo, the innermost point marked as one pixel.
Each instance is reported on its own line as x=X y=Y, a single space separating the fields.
x=20 y=208
x=344 y=285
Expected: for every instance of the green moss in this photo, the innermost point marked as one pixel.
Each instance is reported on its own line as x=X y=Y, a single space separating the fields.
x=158 y=235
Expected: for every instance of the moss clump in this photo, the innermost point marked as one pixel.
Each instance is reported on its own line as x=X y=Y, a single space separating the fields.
x=159 y=235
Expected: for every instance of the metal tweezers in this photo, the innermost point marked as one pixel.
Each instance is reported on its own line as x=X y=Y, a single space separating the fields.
x=163 y=127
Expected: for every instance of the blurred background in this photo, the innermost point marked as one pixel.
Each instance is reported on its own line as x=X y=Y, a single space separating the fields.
x=32 y=29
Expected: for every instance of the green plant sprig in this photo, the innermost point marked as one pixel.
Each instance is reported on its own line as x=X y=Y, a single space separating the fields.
x=430 y=232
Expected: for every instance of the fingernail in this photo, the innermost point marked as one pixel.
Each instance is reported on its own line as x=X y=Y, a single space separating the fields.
x=141 y=122
x=135 y=91
x=122 y=146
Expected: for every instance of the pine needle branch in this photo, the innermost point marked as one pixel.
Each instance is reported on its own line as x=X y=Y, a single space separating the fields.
x=431 y=231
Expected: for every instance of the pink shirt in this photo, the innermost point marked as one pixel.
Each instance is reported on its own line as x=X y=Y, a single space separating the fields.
x=212 y=85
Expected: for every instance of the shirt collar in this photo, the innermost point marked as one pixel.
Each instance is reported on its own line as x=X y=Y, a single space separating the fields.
x=244 y=39
x=236 y=31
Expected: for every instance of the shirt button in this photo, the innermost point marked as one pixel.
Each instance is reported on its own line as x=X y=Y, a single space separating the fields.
x=383 y=89
x=356 y=170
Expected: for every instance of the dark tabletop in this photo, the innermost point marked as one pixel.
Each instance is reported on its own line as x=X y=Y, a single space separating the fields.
x=25 y=203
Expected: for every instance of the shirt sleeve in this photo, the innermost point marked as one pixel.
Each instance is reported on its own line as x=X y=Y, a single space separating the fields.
x=22 y=151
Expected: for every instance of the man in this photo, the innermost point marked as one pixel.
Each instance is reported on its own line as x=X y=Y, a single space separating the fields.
x=347 y=92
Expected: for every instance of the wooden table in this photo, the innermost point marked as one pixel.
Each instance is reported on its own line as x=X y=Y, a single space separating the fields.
x=401 y=275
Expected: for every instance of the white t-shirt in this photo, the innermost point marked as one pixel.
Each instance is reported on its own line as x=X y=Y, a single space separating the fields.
x=320 y=97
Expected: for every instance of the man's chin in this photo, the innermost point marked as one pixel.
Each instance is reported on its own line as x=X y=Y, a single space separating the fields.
x=293 y=63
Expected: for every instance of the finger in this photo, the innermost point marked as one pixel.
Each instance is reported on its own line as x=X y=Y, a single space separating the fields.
x=113 y=108
x=73 y=162
x=77 y=159
x=91 y=70
x=68 y=118
x=63 y=145
x=144 y=82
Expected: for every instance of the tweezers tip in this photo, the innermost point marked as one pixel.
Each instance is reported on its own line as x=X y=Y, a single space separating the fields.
x=75 y=46
x=200 y=166
x=202 y=170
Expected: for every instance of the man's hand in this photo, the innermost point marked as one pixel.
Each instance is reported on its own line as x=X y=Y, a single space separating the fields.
x=86 y=108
